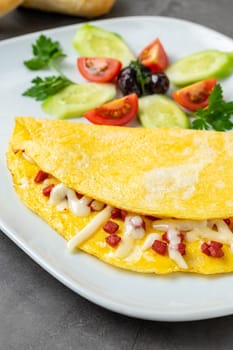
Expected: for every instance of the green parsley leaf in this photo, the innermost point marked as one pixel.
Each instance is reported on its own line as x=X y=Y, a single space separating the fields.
x=45 y=51
x=43 y=88
x=200 y=124
x=217 y=115
x=142 y=76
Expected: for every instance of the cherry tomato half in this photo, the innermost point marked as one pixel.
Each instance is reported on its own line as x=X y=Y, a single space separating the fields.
x=154 y=56
x=99 y=69
x=118 y=112
x=195 y=96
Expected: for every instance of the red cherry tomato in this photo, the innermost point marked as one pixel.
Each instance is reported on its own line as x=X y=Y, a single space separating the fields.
x=195 y=96
x=154 y=56
x=117 y=112
x=99 y=69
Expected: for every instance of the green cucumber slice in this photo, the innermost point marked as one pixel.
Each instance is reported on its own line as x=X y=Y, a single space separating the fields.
x=159 y=111
x=74 y=100
x=90 y=40
x=199 y=66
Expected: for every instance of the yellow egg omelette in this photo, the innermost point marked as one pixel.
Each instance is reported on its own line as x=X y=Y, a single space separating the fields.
x=146 y=200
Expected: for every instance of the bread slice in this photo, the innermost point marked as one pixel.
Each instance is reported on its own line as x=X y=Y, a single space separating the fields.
x=82 y=8
x=8 y=5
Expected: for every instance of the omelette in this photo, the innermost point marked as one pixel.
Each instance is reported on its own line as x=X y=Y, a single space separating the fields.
x=146 y=200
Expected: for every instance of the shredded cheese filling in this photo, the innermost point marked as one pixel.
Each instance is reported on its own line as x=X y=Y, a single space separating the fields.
x=65 y=198
x=90 y=228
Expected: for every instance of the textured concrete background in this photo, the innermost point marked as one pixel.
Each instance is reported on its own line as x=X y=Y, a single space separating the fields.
x=39 y=313
x=212 y=13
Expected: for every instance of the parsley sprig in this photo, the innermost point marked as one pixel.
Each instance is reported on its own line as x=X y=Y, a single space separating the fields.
x=46 y=53
x=217 y=116
x=142 y=76
x=43 y=88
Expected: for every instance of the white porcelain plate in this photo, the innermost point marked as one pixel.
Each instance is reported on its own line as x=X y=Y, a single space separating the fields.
x=172 y=298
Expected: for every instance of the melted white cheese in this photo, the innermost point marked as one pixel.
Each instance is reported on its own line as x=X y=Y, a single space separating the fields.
x=181 y=225
x=222 y=233
x=63 y=205
x=177 y=257
x=133 y=229
x=150 y=240
x=174 y=239
x=90 y=228
x=133 y=226
x=125 y=247
x=58 y=194
x=79 y=207
x=63 y=197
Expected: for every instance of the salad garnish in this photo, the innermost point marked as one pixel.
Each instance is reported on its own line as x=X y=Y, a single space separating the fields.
x=43 y=88
x=217 y=115
x=45 y=52
x=212 y=114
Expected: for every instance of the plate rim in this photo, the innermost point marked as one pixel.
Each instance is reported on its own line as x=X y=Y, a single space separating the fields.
x=114 y=19
x=48 y=266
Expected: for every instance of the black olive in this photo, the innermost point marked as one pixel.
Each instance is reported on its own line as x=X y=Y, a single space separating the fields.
x=144 y=69
x=127 y=81
x=137 y=78
x=158 y=84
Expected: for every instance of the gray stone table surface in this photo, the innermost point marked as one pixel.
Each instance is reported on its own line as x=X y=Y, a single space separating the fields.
x=36 y=311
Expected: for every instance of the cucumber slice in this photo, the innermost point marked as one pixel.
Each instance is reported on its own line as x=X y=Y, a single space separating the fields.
x=74 y=100
x=159 y=111
x=92 y=41
x=199 y=66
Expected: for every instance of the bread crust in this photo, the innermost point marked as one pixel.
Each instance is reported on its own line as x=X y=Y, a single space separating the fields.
x=82 y=8
x=8 y=5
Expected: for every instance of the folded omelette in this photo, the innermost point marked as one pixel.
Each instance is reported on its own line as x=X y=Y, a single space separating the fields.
x=147 y=200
